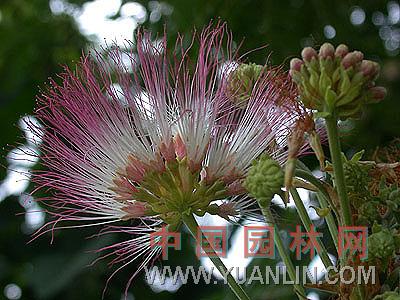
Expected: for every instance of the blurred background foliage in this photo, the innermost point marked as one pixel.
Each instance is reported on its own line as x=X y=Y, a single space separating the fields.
x=38 y=37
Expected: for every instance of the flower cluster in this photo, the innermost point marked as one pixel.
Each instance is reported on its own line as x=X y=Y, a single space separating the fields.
x=131 y=136
x=336 y=79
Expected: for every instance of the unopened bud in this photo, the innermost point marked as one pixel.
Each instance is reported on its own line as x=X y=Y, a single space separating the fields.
x=241 y=83
x=326 y=50
x=369 y=68
x=264 y=179
x=341 y=50
x=295 y=64
x=359 y=56
x=352 y=59
x=315 y=143
x=378 y=93
x=308 y=53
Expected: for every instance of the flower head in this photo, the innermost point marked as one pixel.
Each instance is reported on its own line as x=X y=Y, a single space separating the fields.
x=135 y=137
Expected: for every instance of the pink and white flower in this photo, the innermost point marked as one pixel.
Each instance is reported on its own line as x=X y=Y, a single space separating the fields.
x=131 y=141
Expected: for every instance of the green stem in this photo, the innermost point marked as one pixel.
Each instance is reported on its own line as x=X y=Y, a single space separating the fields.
x=269 y=220
x=330 y=221
x=193 y=227
x=336 y=157
x=305 y=219
x=323 y=197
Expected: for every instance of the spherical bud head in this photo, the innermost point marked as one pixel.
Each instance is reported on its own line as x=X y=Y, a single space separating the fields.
x=381 y=244
x=241 y=82
x=341 y=50
x=264 y=179
x=377 y=93
x=352 y=58
x=295 y=64
x=326 y=50
x=308 y=53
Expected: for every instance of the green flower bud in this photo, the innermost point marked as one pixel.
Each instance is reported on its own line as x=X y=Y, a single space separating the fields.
x=241 y=83
x=264 y=179
x=336 y=80
x=381 y=245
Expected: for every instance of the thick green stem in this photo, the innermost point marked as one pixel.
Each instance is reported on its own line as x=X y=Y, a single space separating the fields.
x=336 y=157
x=305 y=219
x=193 y=227
x=269 y=219
x=323 y=197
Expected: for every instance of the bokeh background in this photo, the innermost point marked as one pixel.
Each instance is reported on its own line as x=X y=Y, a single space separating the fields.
x=38 y=37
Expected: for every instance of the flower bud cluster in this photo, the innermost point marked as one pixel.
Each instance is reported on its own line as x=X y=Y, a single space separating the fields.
x=265 y=178
x=242 y=81
x=336 y=79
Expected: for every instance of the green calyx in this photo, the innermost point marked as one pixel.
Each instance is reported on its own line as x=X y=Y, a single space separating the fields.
x=265 y=178
x=177 y=190
x=241 y=83
x=336 y=80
